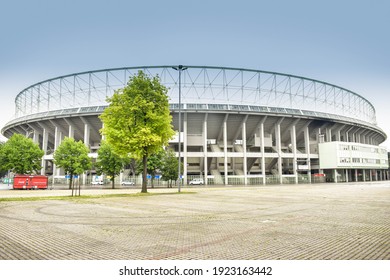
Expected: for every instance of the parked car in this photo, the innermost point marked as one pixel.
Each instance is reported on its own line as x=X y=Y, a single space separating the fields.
x=196 y=181
x=127 y=183
x=97 y=183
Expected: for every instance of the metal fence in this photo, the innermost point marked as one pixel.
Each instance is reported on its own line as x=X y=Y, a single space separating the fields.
x=201 y=85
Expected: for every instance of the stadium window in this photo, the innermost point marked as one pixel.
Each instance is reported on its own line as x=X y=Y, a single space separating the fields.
x=344 y=147
x=345 y=160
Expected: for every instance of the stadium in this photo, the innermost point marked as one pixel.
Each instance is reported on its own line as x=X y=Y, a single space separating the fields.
x=238 y=126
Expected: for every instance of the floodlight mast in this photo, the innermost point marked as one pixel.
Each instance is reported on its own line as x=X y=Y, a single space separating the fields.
x=179 y=68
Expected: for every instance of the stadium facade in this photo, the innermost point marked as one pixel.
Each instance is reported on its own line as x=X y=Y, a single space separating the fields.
x=239 y=126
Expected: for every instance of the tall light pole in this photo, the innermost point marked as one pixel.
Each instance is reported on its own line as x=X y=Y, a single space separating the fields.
x=180 y=68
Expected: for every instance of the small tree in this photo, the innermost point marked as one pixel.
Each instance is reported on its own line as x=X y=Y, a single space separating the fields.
x=169 y=168
x=154 y=164
x=73 y=157
x=21 y=155
x=109 y=162
x=137 y=120
x=3 y=169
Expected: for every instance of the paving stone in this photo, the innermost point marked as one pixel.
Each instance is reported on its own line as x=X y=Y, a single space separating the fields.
x=318 y=221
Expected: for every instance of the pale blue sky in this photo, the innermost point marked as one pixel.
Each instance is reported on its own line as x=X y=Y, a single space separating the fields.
x=346 y=43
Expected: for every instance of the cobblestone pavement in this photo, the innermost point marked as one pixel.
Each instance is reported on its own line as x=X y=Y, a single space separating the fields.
x=318 y=221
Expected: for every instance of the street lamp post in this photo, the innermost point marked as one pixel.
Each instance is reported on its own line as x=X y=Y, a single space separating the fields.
x=179 y=68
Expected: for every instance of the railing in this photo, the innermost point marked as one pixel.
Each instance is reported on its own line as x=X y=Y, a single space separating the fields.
x=235 y=180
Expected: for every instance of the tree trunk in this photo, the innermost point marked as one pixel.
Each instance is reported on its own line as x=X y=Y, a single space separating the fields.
x=152 y=181
x=79 y=186
x=113 y=182
x=72 y=185
x=144 y=172
x=70 y=182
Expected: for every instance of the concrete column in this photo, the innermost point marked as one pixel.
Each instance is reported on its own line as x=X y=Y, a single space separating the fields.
x=59 y=139
x=262 y=150
x=245 y=167
x=185 y=158
x=56 y=144
x=225 y=151
x=356 y=175
x=279 y=151
x=335 y=175
x=370 y=175
x=318 y=135
x=307 y=150
x=346 y=175
x=84 y=178
x=338 y=136
x=45 y=140
x=87 y=133
x=364 y=175
x=294 y=150
x=36 y=137
x=328 y=135
x=56 y=138
x=205 y=149
x=71 y=132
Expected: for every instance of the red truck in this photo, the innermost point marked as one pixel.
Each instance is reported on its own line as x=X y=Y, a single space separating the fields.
x=30 y=182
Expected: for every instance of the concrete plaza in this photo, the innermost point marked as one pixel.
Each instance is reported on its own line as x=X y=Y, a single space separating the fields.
x=318 y=221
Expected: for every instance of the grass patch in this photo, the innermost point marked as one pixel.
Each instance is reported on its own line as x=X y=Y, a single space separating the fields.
x=75 y=198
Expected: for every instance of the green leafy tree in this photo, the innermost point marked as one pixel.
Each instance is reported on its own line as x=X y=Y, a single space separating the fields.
x=73 y=157
x=3 y=170
x=109 y=162
x=169 y=168
x=154 y=164
x=137 y=122
x=21 y=155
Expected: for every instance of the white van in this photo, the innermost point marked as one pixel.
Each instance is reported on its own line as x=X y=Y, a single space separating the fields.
x=196 y=181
